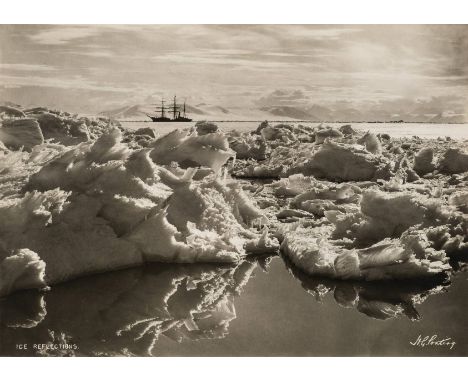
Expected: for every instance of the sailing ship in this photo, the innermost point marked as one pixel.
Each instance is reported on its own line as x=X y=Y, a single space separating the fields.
x=163 y=112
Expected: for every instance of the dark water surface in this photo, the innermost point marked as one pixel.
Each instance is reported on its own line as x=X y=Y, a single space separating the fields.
x=261 y=307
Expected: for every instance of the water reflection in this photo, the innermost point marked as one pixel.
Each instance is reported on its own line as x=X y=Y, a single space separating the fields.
x=124 y=312
x=379 y=300
x=142 y=311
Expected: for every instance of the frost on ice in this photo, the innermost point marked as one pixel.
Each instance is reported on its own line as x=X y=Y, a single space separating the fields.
x=374 y=235
x=365 y=207
x=340 y=162
x=101 y=206
x=21 y=270
x=190 y=149
x=21 y=133
x=82 y=195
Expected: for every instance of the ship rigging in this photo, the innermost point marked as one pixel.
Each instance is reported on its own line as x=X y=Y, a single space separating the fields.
x=177 y=111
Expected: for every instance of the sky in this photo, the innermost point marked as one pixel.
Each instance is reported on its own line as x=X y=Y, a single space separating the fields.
x=90 y=68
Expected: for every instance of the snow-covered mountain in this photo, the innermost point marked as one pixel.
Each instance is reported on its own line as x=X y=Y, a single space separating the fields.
x=213 y=112
x=141 y=111
x=289 y=112
x=126 y=112
x=312 y=113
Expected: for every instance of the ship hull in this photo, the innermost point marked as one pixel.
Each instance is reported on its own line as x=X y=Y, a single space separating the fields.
x=161 y=119
x=165 y=119
x=181 y=119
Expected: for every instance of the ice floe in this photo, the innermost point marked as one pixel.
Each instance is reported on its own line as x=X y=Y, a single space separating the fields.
x=80 y=196
x=101 y=206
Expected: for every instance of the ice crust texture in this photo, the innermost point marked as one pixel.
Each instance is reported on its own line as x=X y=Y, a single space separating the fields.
x=82 y=196
x=99 y=205
x=357 y=206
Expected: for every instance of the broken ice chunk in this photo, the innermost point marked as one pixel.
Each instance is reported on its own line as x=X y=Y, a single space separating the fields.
x=22 y=270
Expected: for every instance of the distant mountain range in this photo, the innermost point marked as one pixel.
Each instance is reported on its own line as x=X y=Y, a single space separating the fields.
x=208 y=111
x=312 y=113
x=339 y=112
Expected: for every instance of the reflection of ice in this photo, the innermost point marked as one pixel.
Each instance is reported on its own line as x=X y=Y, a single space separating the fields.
x=26 y=310
x=126 y=312
x=379 y=300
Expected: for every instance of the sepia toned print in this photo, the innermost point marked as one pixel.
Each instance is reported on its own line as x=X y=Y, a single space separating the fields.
x=233 y=190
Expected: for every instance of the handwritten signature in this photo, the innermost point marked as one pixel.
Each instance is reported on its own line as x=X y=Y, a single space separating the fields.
x=433 y=340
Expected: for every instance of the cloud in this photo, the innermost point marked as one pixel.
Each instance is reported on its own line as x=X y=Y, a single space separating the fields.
x=59 y=35
x=240 y=64
x=283 y=97
x=321 y=33
x=76 y=82
x=245 y=59
x=91 y=53
x=27 y=67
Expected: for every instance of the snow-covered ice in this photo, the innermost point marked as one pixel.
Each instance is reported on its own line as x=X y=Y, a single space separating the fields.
x=83 y=195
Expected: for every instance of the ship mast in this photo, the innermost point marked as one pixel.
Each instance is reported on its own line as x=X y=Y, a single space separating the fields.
x=162 y=108
x=174 y=109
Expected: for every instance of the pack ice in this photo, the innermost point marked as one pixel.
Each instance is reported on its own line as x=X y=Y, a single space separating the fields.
x=357 y=206
x=101 y=206
x=83 y=195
